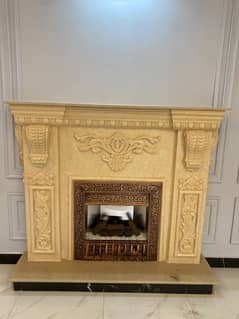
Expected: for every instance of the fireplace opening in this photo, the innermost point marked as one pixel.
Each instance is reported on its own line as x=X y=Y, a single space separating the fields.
x=116 y=221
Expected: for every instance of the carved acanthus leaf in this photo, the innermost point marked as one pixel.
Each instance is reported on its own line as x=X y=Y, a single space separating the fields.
x=117 y=150
x=38 y=139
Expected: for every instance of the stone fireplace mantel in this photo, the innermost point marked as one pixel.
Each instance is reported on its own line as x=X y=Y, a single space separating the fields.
x=63 y=143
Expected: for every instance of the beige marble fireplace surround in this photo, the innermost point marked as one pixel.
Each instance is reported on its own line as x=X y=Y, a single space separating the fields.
x=61 y=143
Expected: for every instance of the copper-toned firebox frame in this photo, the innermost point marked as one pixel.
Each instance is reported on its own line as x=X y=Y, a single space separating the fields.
x=116 y=193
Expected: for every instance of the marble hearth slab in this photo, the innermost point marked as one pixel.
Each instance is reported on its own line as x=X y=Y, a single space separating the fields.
x=96 y=276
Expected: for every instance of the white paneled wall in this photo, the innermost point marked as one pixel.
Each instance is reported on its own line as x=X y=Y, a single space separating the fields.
x=141 y=52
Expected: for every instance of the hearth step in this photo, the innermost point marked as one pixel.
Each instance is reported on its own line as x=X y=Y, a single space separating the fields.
x=112 y=276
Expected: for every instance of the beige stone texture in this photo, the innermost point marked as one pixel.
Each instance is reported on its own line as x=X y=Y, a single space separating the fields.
x=60 y=143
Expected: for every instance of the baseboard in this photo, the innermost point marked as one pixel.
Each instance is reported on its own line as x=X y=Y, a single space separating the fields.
x=213 y=262
x=223 y=262
x=9 y=258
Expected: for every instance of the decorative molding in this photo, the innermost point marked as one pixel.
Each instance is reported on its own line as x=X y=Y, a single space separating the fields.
x=197 y=143
x=187 y=124
x=190 y=192
x=211 y=216
x=235 y=224
x=224 y=80
x=12 y=159
x=150 y=124
x=178 y=124
x=42 y=224
x=11 y=79
x=16 y=214
x=117 y=150
x=226 y=66
x=216 y=168
x=38 y=142
x=41 y=179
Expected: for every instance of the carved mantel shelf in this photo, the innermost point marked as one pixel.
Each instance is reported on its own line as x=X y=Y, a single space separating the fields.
x=61 y=143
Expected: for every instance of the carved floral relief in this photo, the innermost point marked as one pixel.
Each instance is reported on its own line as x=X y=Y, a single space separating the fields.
x=117 y=150
x=42 y=219
x=190 y=190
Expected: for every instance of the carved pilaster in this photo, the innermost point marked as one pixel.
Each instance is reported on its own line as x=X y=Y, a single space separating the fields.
x=41 y=191
x=189 y=210
x=37 y=137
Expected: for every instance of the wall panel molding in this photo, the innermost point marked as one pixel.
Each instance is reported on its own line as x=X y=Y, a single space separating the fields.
x=216 y=168
x=11 y=75
x=16 y=213
x=235 y=223
x=224 y=80
x=211 y=217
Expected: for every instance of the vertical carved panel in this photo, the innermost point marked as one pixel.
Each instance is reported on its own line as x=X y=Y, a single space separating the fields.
x=189 y=206
x=41 y=192
x=188 y=223
x=42 y=219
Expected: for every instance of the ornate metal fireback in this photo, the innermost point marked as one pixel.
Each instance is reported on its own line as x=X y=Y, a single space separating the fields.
x=86 y=193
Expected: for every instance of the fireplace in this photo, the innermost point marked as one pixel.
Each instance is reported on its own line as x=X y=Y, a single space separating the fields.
x=115 y=185
x=116 y=221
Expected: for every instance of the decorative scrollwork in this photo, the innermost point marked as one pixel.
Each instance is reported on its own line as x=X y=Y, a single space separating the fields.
x=117 y=150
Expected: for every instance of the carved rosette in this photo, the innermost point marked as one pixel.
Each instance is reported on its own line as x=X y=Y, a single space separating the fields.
x=117 y=150
x=198 y=145
x=190 y=194
x=37 y=137
x=41 y=191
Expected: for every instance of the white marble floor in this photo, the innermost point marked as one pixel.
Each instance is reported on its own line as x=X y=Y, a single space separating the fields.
x=223 y=304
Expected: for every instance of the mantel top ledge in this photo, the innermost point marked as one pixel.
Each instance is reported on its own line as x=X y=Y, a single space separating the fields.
x=125 y=116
